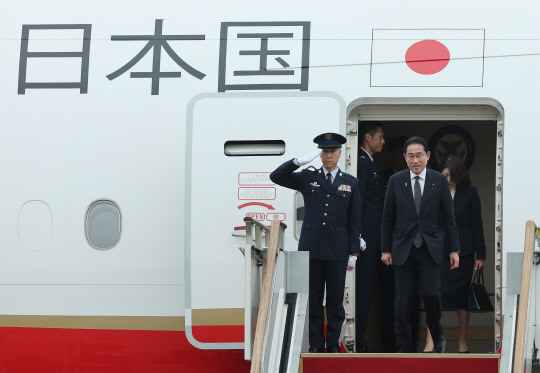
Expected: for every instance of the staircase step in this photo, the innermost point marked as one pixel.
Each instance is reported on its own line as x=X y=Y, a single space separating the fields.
x=402 y=363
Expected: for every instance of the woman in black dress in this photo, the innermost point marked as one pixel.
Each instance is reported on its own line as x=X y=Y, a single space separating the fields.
x=455 y=284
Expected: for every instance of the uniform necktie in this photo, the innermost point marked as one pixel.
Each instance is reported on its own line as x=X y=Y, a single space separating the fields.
x=417 y=201
x=329 y=180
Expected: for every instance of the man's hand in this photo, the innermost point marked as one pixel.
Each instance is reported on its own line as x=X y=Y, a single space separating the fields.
x=387 y=258
x=479 y=264
x=308 y=158
x=454 y=260
x=352 y=262
x=363 y=245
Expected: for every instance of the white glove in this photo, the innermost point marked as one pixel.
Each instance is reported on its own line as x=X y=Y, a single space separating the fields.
x=362 y=244
x=352 y=262
x=308 y=158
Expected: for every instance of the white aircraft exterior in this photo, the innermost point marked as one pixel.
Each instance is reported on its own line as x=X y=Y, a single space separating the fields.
x=136 y=136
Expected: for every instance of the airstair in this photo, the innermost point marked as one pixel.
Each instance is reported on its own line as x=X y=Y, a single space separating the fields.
x=276 y=316
x=276 y=296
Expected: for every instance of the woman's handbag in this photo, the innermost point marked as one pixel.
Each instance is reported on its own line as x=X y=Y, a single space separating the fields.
x=478 y=297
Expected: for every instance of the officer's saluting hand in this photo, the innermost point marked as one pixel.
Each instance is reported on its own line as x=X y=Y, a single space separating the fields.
x=330 y=232
x=302 y=161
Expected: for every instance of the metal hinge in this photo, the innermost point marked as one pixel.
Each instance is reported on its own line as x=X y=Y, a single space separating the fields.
x=256 y=254
x=537 y=257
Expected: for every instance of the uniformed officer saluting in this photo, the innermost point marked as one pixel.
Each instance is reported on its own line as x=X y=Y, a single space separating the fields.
x=330 y=232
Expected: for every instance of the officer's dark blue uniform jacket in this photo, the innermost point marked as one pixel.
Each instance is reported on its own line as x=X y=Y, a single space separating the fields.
x=332 y=219
x=371 y=188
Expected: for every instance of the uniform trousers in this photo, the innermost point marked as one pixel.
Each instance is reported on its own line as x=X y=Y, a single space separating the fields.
x=368 y=268
x=421 y=274
x=332 y=275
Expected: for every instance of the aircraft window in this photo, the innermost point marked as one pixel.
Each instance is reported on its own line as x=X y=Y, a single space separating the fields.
x=103 y=224
x=254 y=148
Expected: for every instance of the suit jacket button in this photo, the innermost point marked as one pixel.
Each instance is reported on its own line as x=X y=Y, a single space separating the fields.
x=326 y=204
x=325 y=214
x=323 y=223
x=328 y=195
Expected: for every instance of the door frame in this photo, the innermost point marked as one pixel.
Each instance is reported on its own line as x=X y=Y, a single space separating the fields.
x=429 y=109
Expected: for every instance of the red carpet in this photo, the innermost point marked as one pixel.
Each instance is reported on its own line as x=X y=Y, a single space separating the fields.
x=402 y=363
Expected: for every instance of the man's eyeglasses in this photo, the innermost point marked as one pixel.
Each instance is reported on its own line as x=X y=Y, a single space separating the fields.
x=412 y=157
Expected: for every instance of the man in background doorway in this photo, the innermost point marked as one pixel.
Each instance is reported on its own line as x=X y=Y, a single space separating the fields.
x=371 y=141
x=395 y=147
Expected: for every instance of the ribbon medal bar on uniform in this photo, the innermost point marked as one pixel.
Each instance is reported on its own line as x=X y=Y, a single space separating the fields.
x=344 y=188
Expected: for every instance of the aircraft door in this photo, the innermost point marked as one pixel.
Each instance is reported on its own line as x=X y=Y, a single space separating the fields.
x=233 y=142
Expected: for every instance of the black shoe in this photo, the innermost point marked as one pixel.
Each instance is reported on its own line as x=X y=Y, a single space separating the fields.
x=364 y=350
x=316 y=350
x=440 y=346
x=333 y=350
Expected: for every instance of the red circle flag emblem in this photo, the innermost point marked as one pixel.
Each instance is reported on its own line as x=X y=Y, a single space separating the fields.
x=427 y=57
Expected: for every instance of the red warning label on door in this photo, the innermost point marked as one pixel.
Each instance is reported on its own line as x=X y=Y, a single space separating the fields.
x=256 y=215
x=276 y=215
x=257 y=193
x=254 y=178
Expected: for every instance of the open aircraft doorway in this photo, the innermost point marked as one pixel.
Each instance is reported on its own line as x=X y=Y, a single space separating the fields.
x=473 y=129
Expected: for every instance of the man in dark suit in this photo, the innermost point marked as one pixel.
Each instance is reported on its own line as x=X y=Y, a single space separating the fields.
x=330 y=232
x=371 y=141
x=418 y=217
x=395 y=146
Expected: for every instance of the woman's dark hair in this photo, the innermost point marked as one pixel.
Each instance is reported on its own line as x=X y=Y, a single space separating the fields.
x=458 y=171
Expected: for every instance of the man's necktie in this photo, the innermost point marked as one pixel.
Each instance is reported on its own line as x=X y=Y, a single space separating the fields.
x=329 y=180
x=417 y=201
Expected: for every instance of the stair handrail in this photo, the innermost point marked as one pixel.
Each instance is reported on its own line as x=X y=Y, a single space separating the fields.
x=276 y=231
x=249 y=219
x=525 y=289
